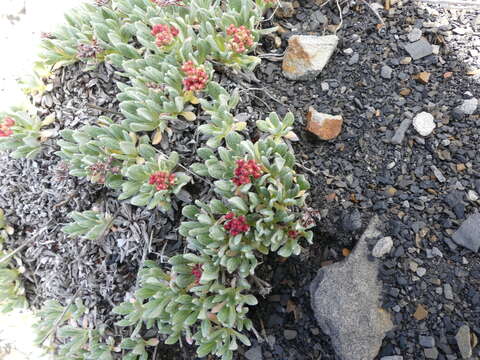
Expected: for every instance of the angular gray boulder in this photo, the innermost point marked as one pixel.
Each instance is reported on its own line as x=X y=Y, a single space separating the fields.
x=345 y=298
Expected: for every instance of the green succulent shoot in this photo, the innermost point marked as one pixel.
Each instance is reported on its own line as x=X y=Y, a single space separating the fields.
x=12 y=292
x=188 y=303
x=158 y=93
x=21 y=132
x=52 y=314
x=90 y=224
x=262 y=189
x=153 y=183
x=278 y=129
x=137 y=347
x=100 y=152
x=220 y=107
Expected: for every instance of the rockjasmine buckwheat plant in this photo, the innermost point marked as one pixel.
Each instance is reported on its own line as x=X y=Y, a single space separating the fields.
x=167 y=51
x=162 y=90
x=204 y=296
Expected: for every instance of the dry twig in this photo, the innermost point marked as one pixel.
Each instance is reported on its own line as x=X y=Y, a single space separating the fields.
x=21 y=247
x=96 y=107
x=59 y=319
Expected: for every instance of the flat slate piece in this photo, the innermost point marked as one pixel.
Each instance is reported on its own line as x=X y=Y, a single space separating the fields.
x=468 y=235
x=419 y=49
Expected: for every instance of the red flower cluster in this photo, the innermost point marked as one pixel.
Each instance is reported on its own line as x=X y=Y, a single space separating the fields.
x=244 y=170
x=242 y=38
x=196 y=77
x=197 y=272
x=236 y=225
x=5 y=126
x=292 y=233
x=164 y=34
x=162 y=180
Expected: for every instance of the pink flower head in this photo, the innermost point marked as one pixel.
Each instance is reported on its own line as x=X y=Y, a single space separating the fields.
x=196 y=78
x=8 y=121
x=164 y=34
x=236 y=225
x=245 y=170
x=292 y=234
x=197 y=271
x=162 y=180
x=241 y=40
x=5 y=126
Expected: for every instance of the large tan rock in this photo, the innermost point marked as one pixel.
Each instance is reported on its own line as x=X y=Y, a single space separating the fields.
x=307 y=55
x=325 y=126
x=345 y=299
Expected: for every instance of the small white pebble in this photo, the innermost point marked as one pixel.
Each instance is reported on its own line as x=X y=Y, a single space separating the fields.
x=424 y=123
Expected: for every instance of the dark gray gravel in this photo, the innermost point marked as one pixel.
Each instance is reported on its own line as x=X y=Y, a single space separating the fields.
x=424 y=188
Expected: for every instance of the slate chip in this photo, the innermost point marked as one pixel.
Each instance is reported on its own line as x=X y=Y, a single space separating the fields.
x=419 y=49
x=468 y=233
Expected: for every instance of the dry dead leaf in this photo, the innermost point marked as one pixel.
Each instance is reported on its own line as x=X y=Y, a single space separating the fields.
x=157 y=137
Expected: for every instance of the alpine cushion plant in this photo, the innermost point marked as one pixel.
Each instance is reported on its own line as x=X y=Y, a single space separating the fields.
x=190 y=301
x=166 y=48
x=160 y=91
x=204 y=294
x=270 y=202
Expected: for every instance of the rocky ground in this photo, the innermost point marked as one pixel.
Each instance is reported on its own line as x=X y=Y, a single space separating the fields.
x=423 y=183
x=422 y=187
